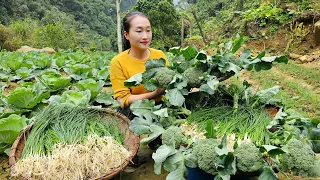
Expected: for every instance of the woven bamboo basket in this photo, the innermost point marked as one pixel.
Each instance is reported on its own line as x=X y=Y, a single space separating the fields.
x=131 y=143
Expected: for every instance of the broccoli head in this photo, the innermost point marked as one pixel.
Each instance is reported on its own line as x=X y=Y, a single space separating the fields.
x=167 y=121
x=164 y=76
x=248 y=157
x=300 y=159
x=193 y=76
x=173 y=136
x=205 y=152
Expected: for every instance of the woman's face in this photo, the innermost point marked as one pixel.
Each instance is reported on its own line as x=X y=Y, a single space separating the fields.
x=140 y=34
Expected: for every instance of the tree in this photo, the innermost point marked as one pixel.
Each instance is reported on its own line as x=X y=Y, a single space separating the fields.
x=164 y=19
x=119 y=26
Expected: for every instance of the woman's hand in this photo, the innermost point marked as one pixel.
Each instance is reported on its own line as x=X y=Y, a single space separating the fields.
x=150 y=95
x=158 y=92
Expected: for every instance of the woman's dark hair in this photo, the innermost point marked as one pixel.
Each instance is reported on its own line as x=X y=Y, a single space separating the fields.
x=126 y=26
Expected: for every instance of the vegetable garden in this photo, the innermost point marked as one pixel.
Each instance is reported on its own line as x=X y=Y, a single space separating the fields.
x=206 y=121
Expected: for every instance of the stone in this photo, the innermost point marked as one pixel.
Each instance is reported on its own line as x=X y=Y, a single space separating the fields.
x=294 y=56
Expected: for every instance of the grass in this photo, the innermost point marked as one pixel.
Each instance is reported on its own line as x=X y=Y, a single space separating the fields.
x=292 y=94
x=309 y=75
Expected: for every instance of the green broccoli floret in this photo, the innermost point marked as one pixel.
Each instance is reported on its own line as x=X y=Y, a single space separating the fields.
x=173 y=137
x=167 y=121
x=164 y=76
x=205 y=152
x=300 y=159
x=248 y=157
x=193 y=76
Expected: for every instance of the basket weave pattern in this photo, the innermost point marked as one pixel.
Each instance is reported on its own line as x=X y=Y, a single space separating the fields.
x=131 y=143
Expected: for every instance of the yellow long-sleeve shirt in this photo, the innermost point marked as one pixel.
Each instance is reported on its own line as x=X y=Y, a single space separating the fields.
x=123 y=67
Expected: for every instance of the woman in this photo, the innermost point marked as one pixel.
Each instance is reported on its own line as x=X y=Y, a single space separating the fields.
x=137 y=38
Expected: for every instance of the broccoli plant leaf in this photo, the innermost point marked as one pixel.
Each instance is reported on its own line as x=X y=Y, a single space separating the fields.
x=268 y=174
x=272 y=150
x=210 y=86
x=144 y=108
x=155 y=63
x=140 y=126
x=162 y=112
x=175 y=97
x=262 y=66
x=245 y=54
x=237 y=44
x=230 y=67
x=155 y=132
x=162 y=153
x=172 y=162
x=135 y=80
x=175 y=51
x=178 y=173
x=222 y=148
x=189 y=52
x=190 y=160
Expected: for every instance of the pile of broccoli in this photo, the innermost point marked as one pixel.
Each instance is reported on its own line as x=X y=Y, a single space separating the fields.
x=300 y=159
x=248 y=157
x=173 y=136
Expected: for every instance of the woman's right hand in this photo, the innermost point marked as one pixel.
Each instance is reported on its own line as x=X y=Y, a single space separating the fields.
x=158 y=92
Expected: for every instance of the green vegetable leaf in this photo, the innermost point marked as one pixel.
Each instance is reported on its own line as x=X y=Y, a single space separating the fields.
x=262 y=66
x=272 y=150
x=175 y=51
x=162 y=153
x=144 y=108
x=175 y=97
x=178 y=173
x=210 y=131
x=3 y=147
x=172 y=162
x=95 y=87
x=191 y=160
x=140 y=126
x=105 y=98
x=237 y=44
x=72 y=97
x=155 y=132
x=202 y=55
x=230 y=67
x=26 y=97
x=245 y=54
x=210 y=86
x=162 y=112
x=10 y=128
x=222 y=149
x=135 y=80
x=189 y=52
x=268 y=174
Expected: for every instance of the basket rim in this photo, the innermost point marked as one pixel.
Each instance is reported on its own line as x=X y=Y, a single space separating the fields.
x=112 y=172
